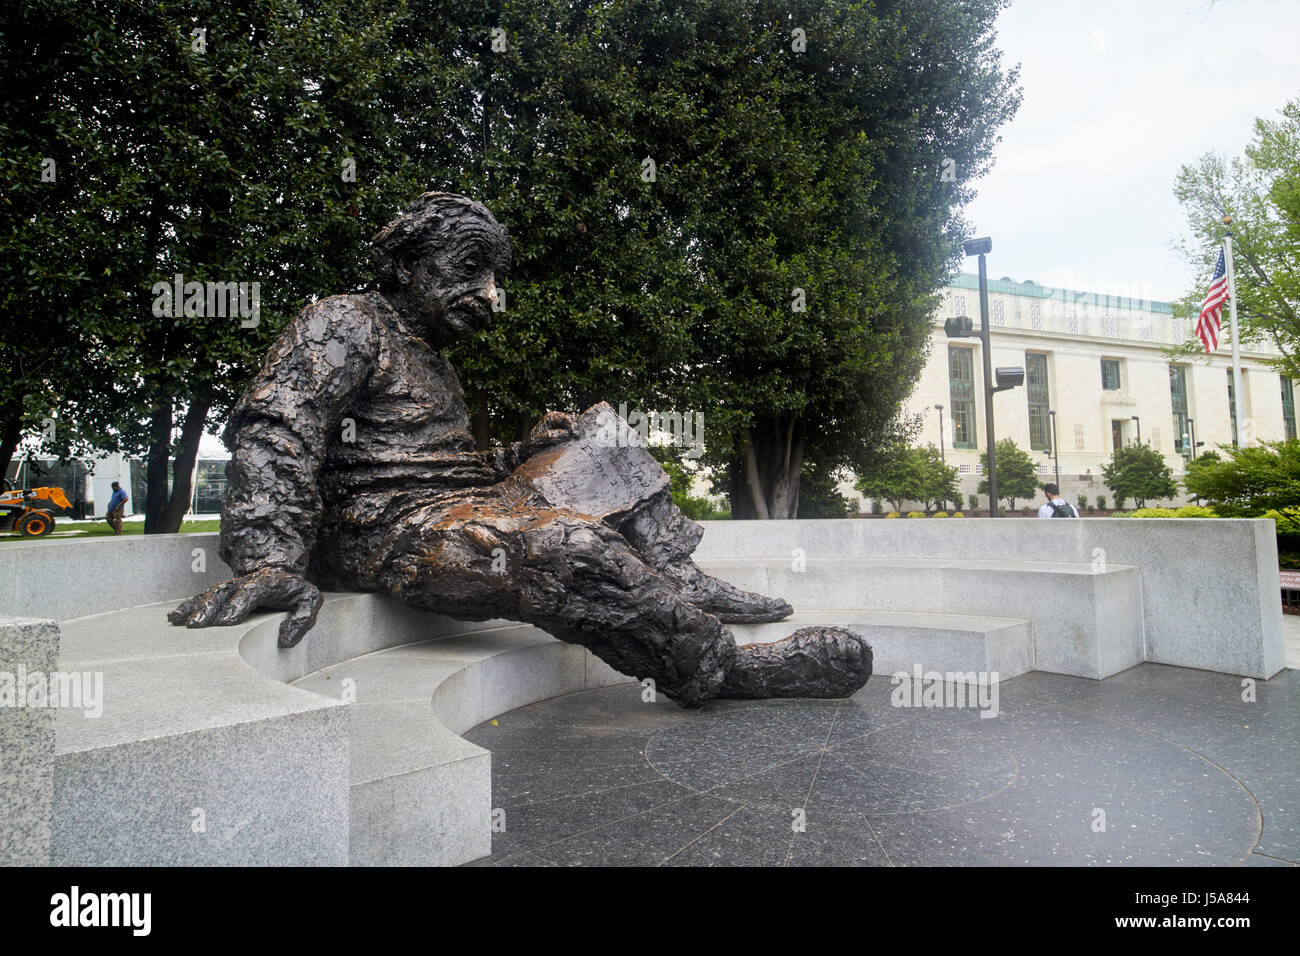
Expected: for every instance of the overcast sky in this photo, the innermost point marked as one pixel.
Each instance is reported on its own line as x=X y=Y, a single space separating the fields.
x=1118 y=95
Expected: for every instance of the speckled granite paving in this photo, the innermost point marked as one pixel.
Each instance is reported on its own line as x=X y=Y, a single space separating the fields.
x=1185 y=771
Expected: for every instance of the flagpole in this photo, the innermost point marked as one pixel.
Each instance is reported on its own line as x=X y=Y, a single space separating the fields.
x=1236 y=351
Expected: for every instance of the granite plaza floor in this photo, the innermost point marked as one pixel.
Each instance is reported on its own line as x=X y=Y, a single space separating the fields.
x=1184 y=771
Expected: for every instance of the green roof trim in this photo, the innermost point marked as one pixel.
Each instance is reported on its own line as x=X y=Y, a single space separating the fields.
x=1033 y=290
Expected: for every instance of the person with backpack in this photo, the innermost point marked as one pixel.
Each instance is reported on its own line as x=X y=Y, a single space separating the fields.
x=1056 y=507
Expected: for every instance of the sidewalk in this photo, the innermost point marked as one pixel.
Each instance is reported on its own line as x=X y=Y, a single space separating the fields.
x=1291 y=628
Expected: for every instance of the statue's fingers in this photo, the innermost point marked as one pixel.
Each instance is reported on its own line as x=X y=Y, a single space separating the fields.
x=300 y=620
x=238 y=606
x=210 y=605
x=182 y=614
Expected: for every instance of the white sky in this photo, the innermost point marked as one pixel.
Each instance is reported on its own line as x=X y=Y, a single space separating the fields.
x=1081 y=193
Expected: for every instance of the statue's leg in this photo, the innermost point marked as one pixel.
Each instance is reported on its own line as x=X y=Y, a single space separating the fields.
x=579 y=580
x=666 y=537
x=605 y=472
x=575 y=578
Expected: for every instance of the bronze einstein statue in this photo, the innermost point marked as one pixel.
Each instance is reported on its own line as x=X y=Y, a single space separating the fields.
x=353 y=468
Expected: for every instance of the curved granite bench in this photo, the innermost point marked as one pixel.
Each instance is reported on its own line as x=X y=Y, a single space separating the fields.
x=218 y=747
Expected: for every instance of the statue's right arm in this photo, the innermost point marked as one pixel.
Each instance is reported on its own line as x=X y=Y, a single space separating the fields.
x=280 y=429
x=278 y=434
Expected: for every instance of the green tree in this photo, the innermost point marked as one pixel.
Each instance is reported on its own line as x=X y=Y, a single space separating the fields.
x=221 y=158
x=1017 y=473
x=1139 y=472
x=938 y=481
x=893 y=477
x=1250 y=481
x=1261 y=192
x=911 y=474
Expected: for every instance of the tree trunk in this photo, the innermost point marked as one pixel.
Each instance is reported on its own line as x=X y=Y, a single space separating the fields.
x=772 y=466
x=12 y=425
x=183 y=467
x=160 y=444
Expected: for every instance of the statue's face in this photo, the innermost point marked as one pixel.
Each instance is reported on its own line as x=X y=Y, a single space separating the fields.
x=455 y=287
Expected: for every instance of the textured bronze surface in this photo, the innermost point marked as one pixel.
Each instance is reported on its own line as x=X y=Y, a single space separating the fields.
x=352 y=468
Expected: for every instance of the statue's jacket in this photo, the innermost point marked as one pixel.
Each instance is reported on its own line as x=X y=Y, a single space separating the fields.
x=353 y=425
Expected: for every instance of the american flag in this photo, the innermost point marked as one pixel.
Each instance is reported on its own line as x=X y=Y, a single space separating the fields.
x=1207 y=326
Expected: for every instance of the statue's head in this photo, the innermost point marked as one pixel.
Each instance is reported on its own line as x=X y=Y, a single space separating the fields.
x=439 y=262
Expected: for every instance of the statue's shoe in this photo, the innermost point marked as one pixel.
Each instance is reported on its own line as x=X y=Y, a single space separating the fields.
x=724 y=601
x=811 y=662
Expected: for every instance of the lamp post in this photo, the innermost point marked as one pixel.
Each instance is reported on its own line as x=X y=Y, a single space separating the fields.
x=1056 y=456
x=962 y=327
x=1138 y=423
x=939 y=408
x=1192 y=426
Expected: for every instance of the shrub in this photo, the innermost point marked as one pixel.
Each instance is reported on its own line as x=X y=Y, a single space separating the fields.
x=1285 y=525
x=892 y=514
x=916 y=514
x=1194 y=511
x=1119 y=502
x=1154 y=513
x=973 y=502
x=1101 y=502
x=939 y=514
x=876 y=507
x=1082 y=502
x=958 y=514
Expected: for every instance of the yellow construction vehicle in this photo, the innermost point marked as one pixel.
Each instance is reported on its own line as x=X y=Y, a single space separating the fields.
x=20 y=513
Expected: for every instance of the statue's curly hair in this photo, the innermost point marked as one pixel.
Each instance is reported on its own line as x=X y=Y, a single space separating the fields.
x=422 y=231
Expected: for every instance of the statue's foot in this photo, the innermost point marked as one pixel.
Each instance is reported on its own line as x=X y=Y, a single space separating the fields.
x=725 y=601
x=811 y=662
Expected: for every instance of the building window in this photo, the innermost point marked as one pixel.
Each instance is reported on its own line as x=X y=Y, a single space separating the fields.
x=1110 y=375
x=1179 y=335
x=999 y=316
x=1144 y=330
x=1040 y=434
x=1288 y=408
x=1108 y=326
x=961 y=386
x=1178 y=399
x=959 y=305
x=1074 y=325
x=1036 y=316
x=1117 y=433
x=1079 y=442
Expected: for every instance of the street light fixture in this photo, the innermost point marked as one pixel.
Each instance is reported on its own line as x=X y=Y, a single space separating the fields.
x=960 y=327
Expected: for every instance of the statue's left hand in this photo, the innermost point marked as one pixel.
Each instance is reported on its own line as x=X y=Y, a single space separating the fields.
x=230 y=602
x=554 y=428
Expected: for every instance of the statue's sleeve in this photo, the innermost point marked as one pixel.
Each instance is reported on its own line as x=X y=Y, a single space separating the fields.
x=279 y=431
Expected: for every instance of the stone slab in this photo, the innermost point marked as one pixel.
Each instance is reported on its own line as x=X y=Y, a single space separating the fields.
x=27 y=647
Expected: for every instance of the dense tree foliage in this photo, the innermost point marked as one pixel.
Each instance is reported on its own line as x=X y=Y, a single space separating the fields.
x=738 y=207
x=1250 y=481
